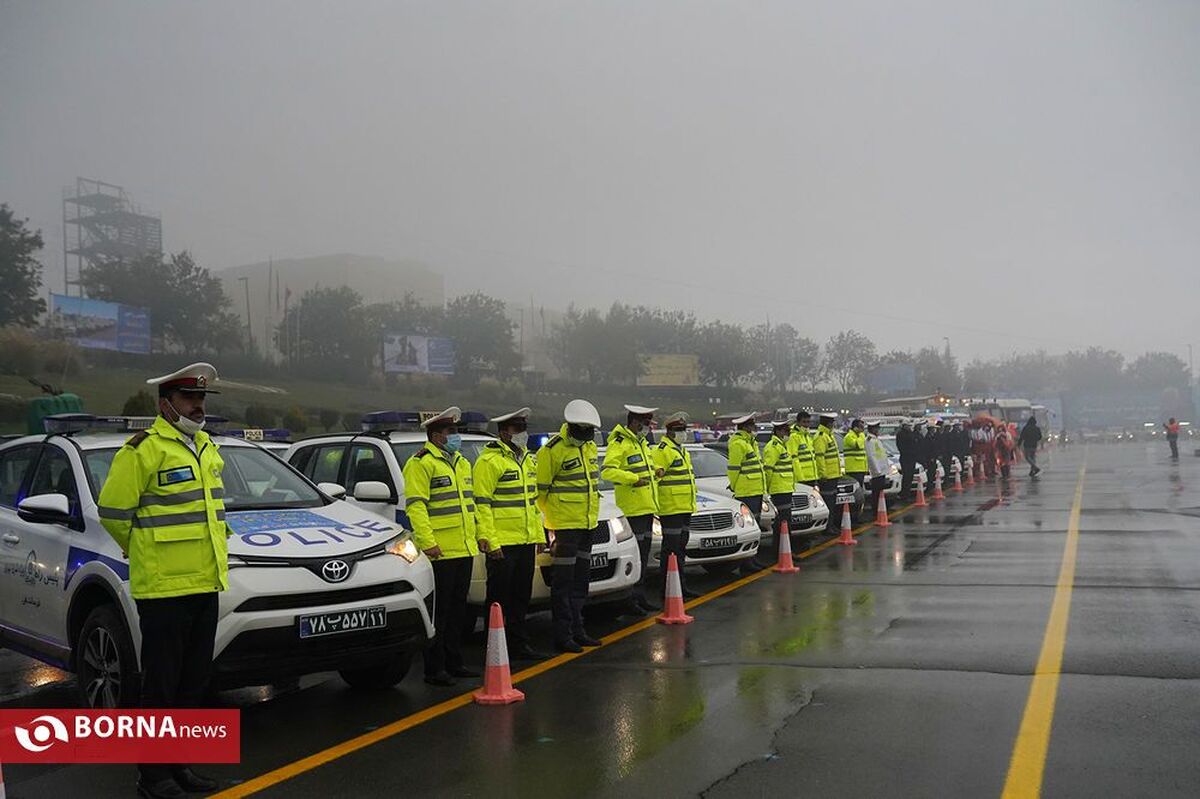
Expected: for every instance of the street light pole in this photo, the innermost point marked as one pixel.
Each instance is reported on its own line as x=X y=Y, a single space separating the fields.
x=249 y=329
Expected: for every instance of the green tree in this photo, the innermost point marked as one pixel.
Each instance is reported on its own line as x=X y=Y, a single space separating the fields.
x=20 y=272
x=598 y=349
x=1159 y=370
x=326 y=329
x=725 y=354
x=140 y=404
x=1096 y=368
x=482 y=334
x=937 y=371
x=329 y=418
x=188 y=307
x=295 y=420
x=783 y=356
x=848 y=357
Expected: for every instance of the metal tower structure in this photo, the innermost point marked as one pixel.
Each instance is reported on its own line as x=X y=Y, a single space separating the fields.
x=100 y=225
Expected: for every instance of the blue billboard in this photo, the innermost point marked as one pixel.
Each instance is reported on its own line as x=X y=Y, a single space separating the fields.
x=100 y=325
x=405 y=354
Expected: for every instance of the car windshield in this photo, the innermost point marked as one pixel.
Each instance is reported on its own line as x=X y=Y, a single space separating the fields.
x=406 y=449
x=254 y=479
x=708 y=463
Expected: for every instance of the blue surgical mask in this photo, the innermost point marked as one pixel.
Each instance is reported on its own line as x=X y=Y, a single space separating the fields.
x=453 y=442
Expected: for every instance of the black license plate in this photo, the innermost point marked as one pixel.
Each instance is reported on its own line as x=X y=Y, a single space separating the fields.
x=718 y=542
x=345 y=621
x=599 y=560
x=803 y=518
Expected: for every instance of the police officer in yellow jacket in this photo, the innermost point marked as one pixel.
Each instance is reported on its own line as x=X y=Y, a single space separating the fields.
x=440 y=501
x=509 y=520
x=800 y=445
x=854 y=447
x=676 y=495
x=568 y=479
x=629 y=467
x=747 y=481
x=829 y=465
x=163 y=503
x=781 y=477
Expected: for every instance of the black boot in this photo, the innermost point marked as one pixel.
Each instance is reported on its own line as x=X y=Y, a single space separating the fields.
x=192 y=782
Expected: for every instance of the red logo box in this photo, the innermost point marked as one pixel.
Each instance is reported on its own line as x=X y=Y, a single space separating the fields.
x=120 y=736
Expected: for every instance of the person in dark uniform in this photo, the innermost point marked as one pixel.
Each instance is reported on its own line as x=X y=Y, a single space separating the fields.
x=164 y=487
x=906 y=444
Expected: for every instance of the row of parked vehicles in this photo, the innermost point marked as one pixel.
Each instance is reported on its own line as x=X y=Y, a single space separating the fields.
x=323 y=573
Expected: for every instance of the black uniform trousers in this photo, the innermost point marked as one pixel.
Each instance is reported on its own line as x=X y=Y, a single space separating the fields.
x=829 y=492
x=510 y=582
x=178 y=634
x=674 y=542
x=908 y=473
x=571 y=574
x=643 y=527
x=451 y=583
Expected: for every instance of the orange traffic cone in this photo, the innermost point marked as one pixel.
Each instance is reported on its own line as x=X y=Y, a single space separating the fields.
x=937 y=488
x=958 y=480
x=847 y=536
x=497 y=678
x=673 y=601
x=881 y=517
x=785 y=564
x=921 y=503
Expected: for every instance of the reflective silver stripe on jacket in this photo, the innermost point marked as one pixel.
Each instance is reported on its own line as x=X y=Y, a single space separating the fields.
x=120 y=514
x=173 y=519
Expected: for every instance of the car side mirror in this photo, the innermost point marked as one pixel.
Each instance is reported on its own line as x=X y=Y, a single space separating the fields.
x=332 y=489
x=45 y=509
x=372 y=491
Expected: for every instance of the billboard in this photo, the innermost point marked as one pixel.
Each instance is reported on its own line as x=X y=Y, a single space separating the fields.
x=669 y=370
x=891 y=378
x=100 y=325
x=410 y=354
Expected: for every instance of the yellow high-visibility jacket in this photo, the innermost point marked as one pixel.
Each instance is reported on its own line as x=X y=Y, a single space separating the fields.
x=164 y=506
x=745 y=470
x=825 y=450
x=777 y=464
x=677 y=487
x=440 y=500
x=568 y=479
x=626 y=461
x=803 y=461
x=506 y=496
x=854 y=446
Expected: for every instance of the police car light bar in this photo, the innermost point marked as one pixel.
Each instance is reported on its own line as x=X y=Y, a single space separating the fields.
x=68 y=423
x=382 y=421
x=473 y=422
x=278 y=434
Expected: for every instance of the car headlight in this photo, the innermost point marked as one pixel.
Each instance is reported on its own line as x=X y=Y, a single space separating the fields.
x=403 y=547
x=817 y=501
x=744 y=518
x=621 y=529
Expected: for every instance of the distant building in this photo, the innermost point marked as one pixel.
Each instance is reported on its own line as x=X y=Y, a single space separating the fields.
x=375 y=279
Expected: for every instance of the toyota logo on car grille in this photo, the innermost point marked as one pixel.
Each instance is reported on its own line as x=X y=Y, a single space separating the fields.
x=334 y=571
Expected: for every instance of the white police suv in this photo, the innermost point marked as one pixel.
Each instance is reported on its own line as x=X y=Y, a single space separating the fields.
x=367 y=467
x=315 y=584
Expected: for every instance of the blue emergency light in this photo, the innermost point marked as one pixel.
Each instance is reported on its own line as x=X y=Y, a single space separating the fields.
x=381 y=421
x=69 y=423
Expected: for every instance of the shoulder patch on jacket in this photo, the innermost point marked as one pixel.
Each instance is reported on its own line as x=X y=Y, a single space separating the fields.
x=618 y=437
x=554 y=441
x=137 y=438
x=421 y=453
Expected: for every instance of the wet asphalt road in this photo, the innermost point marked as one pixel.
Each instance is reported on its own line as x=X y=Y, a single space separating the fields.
x=899 y=667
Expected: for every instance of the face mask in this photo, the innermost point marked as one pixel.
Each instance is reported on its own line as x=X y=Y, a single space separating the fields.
x=520 y=440
x=453 y=442
x=680 y=436
x=189 y=427
x=580 y=434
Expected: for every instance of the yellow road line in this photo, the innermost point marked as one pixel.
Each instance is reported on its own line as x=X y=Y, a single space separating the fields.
x=293 y=769
x=1028 y=764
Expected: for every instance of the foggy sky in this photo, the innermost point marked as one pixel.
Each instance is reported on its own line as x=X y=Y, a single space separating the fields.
x=1011 y=175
